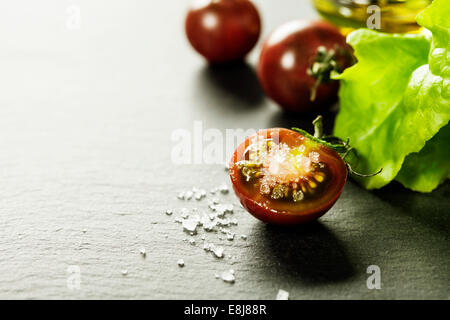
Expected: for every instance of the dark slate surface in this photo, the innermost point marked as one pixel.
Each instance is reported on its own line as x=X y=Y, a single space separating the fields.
x=86 y=120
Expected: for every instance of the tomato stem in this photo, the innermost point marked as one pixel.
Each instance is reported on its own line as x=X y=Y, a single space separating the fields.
x=342 y=147
x=339 y=148
x=323 y=65
x=318 y=127
x=346 y=153
x=360 y=174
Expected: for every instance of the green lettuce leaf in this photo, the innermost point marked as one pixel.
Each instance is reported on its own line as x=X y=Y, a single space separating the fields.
x=425 y=170
x=395 y=99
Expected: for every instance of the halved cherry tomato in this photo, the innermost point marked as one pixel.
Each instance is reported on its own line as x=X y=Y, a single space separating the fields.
x=283 y=177
x=296 y=61
x=223 y=30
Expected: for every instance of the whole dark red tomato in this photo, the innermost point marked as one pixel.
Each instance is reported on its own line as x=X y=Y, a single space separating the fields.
x=284 y=177
x=296 y=61
x=223 y=30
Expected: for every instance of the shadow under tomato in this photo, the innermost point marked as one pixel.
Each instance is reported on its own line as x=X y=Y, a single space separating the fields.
x=234 y=83
x=310 y=253
x=302 y=120
x=430 y=209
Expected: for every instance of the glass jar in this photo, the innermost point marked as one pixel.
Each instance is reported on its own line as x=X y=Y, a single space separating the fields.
x=385 y=15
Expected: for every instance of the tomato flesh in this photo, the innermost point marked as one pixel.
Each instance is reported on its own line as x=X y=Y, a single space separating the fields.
x=283 y=177
x=223 y=30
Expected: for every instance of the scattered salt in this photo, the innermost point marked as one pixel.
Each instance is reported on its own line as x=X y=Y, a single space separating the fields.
x=216 y=220
x=190 y=225
x=209 y=225
x=200 y=194
x=184 y=213
x=188 y=195
x=223 y=222
x=178 y=219
x=218 y=252
x=223 y=189
x=282 y=295
x=222 y=209
x=228 y=276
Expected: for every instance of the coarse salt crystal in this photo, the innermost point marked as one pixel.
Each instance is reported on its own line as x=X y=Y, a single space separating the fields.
x=190 y=225
x=223 y=189
x=228 y=276
x=218 y=252
x=184 y=213
x=188 y=195
x=282 y=295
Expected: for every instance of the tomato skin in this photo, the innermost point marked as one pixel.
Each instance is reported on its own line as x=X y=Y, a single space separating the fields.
x=286 y=56
x=223 y=30
x=263 y=209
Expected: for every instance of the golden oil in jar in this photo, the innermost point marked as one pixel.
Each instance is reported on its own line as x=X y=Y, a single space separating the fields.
x=385 y=15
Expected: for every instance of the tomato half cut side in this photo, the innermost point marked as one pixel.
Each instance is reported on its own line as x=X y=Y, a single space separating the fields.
x=283 y=177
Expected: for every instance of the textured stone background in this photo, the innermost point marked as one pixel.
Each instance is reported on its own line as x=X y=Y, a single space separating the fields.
x=86 y=118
